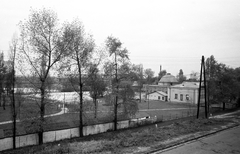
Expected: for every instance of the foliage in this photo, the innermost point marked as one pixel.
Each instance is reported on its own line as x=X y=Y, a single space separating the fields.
x=79 y=53
x=126 y=94
x=41 y=47
x=149 y=74
x=223 y=82
x=180 y=76
x=161 y=74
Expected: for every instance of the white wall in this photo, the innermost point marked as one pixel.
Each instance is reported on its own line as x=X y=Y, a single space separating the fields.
x=154 y=96
x=51 y=136
x=6 y=143
x=193 y=95
x=26 y=140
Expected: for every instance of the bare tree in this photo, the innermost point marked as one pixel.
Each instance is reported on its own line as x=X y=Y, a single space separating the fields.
x=13 y=50
x=41 y=47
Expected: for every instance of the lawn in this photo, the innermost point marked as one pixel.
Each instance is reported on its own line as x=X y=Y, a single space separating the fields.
x=26 y=106
x=167 y=110
x=163 y=110
x=163 y=105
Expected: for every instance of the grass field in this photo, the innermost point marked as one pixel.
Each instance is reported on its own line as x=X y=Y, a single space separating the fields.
x=167 y=110
x=162 y=110
x=29 y=104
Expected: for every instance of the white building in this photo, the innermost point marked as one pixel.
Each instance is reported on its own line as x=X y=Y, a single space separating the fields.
x=157 y=95
x=184 y=92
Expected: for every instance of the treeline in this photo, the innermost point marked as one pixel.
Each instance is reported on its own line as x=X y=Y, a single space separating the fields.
x=223 y=82
x=47 y=52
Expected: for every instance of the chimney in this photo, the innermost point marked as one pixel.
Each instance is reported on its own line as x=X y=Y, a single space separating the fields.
x=160 y=68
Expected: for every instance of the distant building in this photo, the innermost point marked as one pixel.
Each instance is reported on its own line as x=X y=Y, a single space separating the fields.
x=167 y=80
x=184 y=92
x=164 y=83
x=157 y=95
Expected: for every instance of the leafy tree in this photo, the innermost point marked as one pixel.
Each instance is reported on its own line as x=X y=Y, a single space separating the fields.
x=80 y=50
x=120 y=54
x=180 y=76
x=149 y=74
x=137 y=75
x=96 y=84
x=40 y=49
x=126 y=95
x=223 y=83
x=161 y=74
x=2 y=78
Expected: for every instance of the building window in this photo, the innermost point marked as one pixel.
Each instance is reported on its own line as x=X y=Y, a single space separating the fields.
x=181 y=97
x=187 y=97
x=159 y=97
x=163 y=98
x=176 y=96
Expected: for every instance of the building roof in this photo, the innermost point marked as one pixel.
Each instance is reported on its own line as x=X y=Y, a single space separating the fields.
x=135 y=83
x=168 y=78
x=159 y=92
x=187 y=85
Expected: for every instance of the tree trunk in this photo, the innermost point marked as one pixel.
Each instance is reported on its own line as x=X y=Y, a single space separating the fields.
x=14 y=120
x=115 y=113
x=81 y=112
x=0 y=99
x=81 y=96
x=224 y=106
x=95 y=105
x=116 y=101
x=4 y=101
x=42 y=113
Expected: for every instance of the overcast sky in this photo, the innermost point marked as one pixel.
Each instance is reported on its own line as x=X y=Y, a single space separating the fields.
x=171 y=33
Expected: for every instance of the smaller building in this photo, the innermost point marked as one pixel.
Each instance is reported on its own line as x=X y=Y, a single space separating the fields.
x=157 y=95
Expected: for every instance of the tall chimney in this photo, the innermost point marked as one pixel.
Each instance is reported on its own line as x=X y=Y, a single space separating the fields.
x=160 y=68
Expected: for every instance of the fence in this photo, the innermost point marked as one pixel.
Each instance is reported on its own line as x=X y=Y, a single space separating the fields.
x=52 y=136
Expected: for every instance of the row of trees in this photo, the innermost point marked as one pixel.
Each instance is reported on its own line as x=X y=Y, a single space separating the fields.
x=46 y=48
x=223 y=82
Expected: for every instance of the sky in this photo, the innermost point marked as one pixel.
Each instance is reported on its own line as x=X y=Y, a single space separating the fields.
x=171 y=33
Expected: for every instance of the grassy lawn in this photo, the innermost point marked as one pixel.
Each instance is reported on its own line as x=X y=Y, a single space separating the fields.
x=104 y=114
x=163 y=105
x=128 y=141
x=26 y=106
x=167 y=110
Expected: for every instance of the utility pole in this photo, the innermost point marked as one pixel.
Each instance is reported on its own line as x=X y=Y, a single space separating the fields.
x=140 y=83
x=202 y=72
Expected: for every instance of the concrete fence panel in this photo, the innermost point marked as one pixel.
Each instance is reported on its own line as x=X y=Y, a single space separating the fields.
x=74 y=132
x=62 y=134
x=89 y=130
x=26 y=140
x=133 y=123
x=49 y=136
x=6 y=143
x=123 y=124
